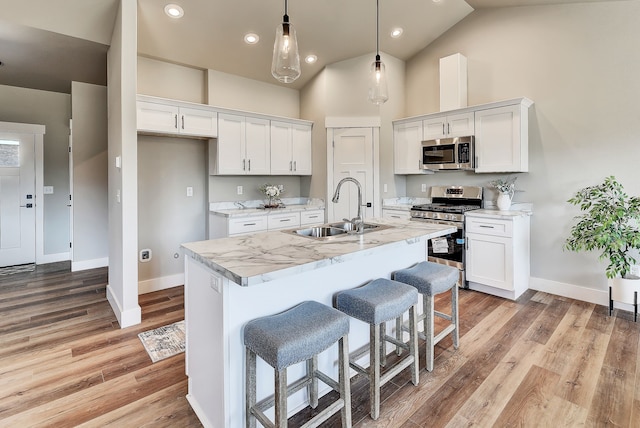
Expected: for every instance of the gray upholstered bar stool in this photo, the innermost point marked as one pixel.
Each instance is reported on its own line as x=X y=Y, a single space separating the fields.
x=293 y=336
x=431 y=279
x=375 y=303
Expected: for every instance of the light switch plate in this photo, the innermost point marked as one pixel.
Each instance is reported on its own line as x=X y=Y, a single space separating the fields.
x=239 y=190
x=47 y=190
x=424 y=187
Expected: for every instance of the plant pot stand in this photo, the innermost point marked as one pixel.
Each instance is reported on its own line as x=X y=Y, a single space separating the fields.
x=635 y=304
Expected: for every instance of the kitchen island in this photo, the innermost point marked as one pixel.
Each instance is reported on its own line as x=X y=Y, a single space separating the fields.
x=230 y=281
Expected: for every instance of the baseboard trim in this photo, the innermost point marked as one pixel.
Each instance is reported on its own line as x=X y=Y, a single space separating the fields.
x=89 y=264
x=572 y=291
x=126 y=318
x=162 y=283
x=53 y=258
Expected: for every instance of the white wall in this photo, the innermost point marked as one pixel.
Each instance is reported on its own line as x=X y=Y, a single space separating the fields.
x=53 y=110
x=122 y=290
x=176 y=82
x=341 y=90
x=579 y=64
x=240 y=93
x=90 y=181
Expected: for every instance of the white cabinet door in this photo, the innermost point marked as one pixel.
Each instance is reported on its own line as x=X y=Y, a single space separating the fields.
x=501 y=142
x=230 y=147
x=290 y=149
x=308 y=218
x=399 y=214
x=153 y=117
x=301 y=149
x=283 y=221
x=281 y=155
x=455 y=125
x=258 y=147
x=407 y=147
x=198 y=122
x=489 y=260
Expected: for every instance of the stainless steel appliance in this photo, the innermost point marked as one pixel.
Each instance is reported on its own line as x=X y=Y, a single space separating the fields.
x=448 y=153
x=448 y=205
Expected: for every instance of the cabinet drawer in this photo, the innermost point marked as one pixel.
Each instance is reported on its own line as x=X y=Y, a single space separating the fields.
x=283 y=221
x=399 y=214
x=312 y=217
x=247 y=224
x=489 y=226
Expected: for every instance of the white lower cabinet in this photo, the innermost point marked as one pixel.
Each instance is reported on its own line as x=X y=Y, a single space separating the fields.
x=399 y=214
x=221 y=226
x=497 y=254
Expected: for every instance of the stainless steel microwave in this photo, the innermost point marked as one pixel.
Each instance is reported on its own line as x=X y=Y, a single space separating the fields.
x=448 y=153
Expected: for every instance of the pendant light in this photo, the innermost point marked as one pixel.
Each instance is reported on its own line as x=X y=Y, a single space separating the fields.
x=286 y=61
x=378 y=92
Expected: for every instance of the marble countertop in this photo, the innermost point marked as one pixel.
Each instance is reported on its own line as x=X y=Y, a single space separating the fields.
x=497 y=214
x=231 y=209
x=403 y=204
x=261 y=257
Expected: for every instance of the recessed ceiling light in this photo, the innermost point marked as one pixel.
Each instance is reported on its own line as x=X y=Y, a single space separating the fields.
x=174 y=11
x=396 y=32
x=310 y=59
x=251 y=38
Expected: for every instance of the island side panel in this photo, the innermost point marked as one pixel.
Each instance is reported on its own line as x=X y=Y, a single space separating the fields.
x=205 y=354
x=242 y=304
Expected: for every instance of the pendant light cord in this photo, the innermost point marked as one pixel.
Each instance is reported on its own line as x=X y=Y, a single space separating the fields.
x=378 y=30
x=286 y=11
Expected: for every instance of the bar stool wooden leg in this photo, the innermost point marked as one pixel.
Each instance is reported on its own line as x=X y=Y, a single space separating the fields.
x=312 y=388
x=428 y=328
x=454 y=316
x=399 y=334
x=281 y=398
x=374 y=371
x=344 y=379
x=250 y=388
x=413 y=344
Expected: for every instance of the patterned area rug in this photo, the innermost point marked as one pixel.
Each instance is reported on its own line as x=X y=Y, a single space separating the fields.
x=9 y=270
x=164 y=342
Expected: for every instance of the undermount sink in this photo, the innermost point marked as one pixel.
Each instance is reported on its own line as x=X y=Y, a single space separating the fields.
x=333 y=230
x=349 y=227
x=320 y=232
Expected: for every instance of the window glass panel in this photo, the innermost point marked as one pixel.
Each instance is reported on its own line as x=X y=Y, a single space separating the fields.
x=9 y=153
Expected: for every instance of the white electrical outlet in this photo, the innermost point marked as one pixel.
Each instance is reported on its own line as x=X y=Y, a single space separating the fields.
x=189 y=191
x=47 y=190
x=423 y=188
x=635 y=270
x=239 y=190
x=384 y=188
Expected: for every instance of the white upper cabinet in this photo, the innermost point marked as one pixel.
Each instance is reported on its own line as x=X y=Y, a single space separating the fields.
x=449 y=126
x=407 y=143
x=242 y=147
x=165 y=118
x=502 y=138
x=290 y=148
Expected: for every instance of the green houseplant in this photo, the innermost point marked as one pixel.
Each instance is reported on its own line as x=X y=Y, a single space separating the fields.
x=609 y=223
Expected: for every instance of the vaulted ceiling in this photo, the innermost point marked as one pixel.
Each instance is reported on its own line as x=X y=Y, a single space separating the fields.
x=46 y=44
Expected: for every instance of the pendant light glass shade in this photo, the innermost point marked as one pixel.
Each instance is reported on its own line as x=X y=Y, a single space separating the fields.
x=286 y=61
x=378 y=92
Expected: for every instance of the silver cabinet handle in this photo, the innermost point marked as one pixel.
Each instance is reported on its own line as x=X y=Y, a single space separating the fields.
x=448 y=128
x=244 y=164
x=249 y=224
x=443 y=129
x=183 y=121
x=486 y=227
x=175 y=120
x=290 y=165
x=295 y=165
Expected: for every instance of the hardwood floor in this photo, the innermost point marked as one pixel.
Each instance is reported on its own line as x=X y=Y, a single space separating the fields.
x=543 y=361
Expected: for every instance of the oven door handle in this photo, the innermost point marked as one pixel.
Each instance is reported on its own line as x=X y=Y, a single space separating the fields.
x=458 y=225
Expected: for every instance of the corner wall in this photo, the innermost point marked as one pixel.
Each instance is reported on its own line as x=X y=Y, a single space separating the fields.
x=578 y=63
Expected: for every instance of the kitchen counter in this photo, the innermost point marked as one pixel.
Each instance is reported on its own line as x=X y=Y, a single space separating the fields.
x=231 y=281
x=403 y=204
x=230 y=209
x=261 y=257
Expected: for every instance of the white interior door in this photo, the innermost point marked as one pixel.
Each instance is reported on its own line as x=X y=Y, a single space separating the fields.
x=353 y=157
x=17 y=199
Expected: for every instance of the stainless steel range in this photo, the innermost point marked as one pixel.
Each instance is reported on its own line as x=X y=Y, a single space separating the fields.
x=448 y=205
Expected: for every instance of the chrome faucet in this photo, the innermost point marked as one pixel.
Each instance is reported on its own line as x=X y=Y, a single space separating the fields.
x=357 y=221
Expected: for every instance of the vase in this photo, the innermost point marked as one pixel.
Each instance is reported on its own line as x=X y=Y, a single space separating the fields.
x=271 y=203
x=504 y=201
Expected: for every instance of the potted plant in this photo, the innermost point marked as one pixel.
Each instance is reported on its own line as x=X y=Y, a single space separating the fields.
x=272 y=194
x=609 y=223
x=506 y=188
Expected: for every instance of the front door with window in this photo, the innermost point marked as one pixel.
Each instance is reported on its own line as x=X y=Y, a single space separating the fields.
x=17 y=199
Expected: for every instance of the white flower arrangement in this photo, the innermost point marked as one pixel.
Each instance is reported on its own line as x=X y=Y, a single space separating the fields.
x=271 y=191
x=505 y=185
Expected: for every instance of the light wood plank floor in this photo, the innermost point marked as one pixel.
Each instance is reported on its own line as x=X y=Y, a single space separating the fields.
x=543 y=361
